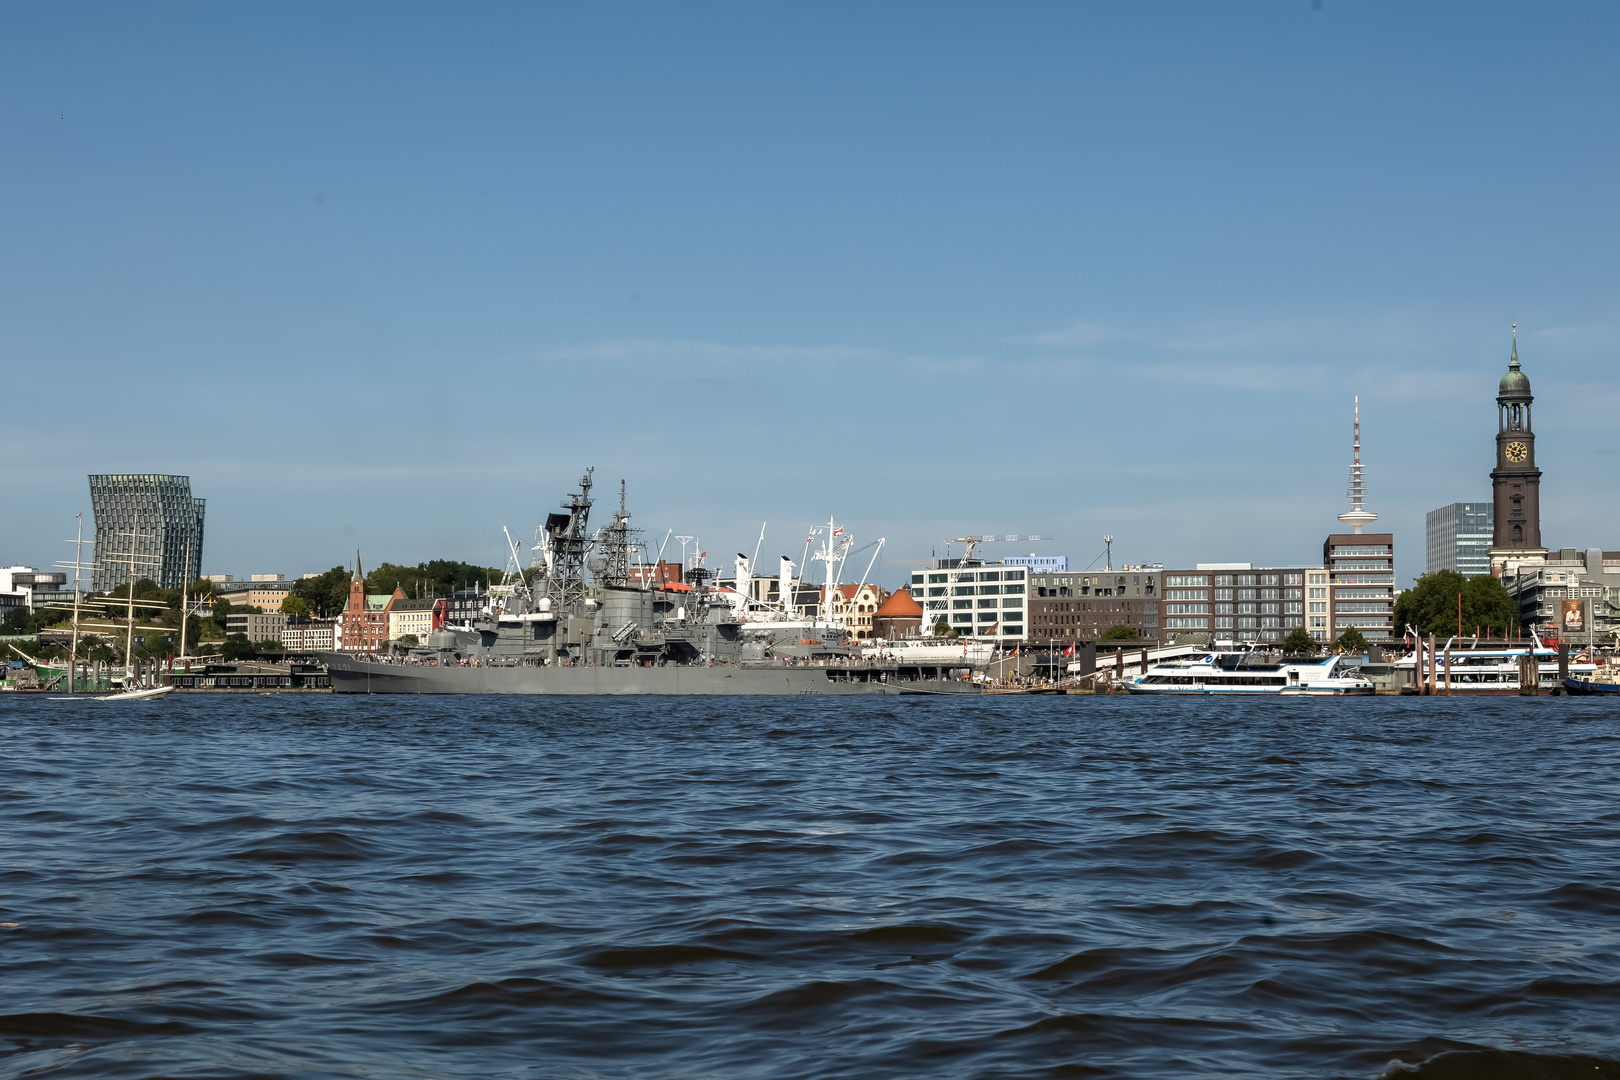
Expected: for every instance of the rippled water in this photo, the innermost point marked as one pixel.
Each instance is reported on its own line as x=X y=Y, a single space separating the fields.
x=1070 y=887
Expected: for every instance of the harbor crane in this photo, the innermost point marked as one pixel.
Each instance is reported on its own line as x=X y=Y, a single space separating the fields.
x=994 y=538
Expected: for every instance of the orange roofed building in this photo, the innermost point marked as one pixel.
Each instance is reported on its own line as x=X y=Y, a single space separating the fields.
x=898 y=617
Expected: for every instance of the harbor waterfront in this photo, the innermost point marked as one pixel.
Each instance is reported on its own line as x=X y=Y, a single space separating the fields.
x=320 y=886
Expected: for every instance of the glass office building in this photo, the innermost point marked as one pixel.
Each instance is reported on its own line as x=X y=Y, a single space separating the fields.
x=153 y=516
x=1459 y=538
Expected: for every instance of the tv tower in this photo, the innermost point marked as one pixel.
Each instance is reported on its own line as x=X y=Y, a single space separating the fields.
x=1356 y=517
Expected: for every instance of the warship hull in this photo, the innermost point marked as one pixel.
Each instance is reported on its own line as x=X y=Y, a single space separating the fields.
x=356 y=675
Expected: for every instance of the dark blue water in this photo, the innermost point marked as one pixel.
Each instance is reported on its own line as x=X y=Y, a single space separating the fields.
x=1062 y=887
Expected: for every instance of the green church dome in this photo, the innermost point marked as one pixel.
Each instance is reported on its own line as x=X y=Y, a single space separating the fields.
x=1515 y=384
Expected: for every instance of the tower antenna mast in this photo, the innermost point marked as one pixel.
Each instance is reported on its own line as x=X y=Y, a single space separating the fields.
x=1356 y=517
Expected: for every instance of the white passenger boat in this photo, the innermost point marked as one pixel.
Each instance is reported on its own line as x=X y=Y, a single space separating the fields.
x=1485 y=669
x=1240 y=673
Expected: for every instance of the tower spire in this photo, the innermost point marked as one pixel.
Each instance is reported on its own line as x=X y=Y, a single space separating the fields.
x=1356 y=517
x=1513 y=361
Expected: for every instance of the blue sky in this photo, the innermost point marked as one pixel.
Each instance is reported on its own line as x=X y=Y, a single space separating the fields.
x=390 y=276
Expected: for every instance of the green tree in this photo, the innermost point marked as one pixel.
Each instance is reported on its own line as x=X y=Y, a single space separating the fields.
x=96 y=650
x=1120 y=633
x=407 y=639
x=295 y=606
x=1430 y=605
x=441 y=577
x=1300 y=643
x=943 y=629
x=1351 y=641
x=237 y=647
x=326 y=594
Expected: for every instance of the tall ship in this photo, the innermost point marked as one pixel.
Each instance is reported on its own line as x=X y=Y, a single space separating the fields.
x=586 y=618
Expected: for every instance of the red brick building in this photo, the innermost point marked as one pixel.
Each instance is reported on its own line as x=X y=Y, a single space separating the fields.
x=364 y=624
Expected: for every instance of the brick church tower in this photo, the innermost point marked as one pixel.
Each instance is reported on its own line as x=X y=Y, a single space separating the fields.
x=1515 y=482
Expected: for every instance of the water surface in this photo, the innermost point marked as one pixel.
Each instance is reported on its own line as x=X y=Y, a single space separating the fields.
x=315 y=886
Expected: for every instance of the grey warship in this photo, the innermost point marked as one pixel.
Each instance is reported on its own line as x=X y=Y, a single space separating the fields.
x=586 y=624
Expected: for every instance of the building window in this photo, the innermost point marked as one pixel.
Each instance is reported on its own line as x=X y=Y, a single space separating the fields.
x=1187 y=594
x=1174 y=580
x=959 y=618
x=990 y=575
x=989 y=590
x=1246 y=609
x=1012 y=603
x=1013 y=589
x=1247 y=579
x=988 y=603
x=962 y=590
x=1270 y=609
x=987 y=616
x=1186 y=609
x=1223 y=609
x=1270 y=579
x=1223 y=622
x=1187 y=624
x=1223 y=579
x=1247 y=623
x=961 y=603
x=1248 y=594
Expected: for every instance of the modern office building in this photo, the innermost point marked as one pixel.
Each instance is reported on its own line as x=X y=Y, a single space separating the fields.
x=29 y=589
x=1065 y=608
x=974 y=597
x=1361 y=574
x=1240 y=601
x=149 y=519
x=1458 y=538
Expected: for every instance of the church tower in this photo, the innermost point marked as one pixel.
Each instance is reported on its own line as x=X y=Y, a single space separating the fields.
x=1515 y=482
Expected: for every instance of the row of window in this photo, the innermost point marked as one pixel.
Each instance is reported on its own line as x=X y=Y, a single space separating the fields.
x=969 y=575
x=979 y=590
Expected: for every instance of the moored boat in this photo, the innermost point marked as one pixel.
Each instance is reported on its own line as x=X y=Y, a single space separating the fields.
x=1241 y=673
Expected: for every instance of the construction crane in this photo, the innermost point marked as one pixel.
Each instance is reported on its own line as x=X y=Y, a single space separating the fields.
x=994 y=538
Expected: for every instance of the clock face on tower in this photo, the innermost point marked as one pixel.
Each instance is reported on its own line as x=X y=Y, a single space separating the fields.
x=1516 y=452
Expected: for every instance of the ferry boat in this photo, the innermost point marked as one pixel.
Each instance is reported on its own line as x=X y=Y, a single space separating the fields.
x=1485 y=669
x=1237 y=672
